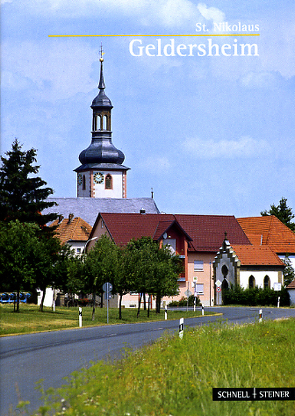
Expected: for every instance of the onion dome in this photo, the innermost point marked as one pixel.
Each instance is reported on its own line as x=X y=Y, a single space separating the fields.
x=101 y=149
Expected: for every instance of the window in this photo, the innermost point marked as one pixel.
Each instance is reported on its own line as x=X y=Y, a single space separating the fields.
x=224 y=271
x=78 y=250
x=96 y=122
x=105 y=123
x=200 y=288
x=108 y=182
x=251 y=281
x=83 y=183
x=266 y=282
x=198 y=265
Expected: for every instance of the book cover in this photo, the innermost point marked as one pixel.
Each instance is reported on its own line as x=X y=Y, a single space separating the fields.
x=202 y=94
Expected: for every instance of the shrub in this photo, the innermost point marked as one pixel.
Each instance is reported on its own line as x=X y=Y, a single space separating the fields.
x=183 y=301
x=237 y=295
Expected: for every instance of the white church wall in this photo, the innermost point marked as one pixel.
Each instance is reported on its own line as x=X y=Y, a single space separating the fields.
x=259 y=278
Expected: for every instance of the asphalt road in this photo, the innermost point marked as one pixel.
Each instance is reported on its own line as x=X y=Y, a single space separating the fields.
x=51 y=356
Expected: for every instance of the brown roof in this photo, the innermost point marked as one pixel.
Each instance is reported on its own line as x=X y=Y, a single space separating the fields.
x=257 y=255
x=269 y=230
x=75 y=229
x=205 y=232
x=125 y=227
x=291 y=285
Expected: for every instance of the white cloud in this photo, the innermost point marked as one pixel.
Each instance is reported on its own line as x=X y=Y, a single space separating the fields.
x=244 y=147
x=156 y=164
x=168 y=13
x=211 y=13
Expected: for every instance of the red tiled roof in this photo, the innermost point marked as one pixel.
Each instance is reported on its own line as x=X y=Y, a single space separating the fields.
x=291 y=285
x=270 y=231
x=205 y=231
x=72 y=230
x=257 y=255
x=125 y=227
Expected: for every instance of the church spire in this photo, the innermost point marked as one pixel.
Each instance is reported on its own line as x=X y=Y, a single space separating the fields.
x=101 y=84
x=102 y=155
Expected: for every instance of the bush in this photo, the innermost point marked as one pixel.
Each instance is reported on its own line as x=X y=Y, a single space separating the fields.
x=255 y=297
x=183 y=301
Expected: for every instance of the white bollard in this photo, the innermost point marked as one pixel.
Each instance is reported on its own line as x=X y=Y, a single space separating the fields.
x=80 y=317
x=260 y=315
x=203 y=310
x=166 y=313
x=279 y=301
x=181 y=328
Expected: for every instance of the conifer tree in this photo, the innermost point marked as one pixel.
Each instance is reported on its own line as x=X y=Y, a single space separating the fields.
x=282 y=212
x=22 y=194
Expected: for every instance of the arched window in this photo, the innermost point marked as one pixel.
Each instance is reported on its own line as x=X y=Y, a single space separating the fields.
x=108 y=181
x=224 y=271
x=97 y=122
x=251 y=281
x=83 y=183
x=266 y=282
x=105 y=123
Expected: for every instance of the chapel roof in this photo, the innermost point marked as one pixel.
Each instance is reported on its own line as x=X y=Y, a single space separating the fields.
x=269 y=230
x=256 y=255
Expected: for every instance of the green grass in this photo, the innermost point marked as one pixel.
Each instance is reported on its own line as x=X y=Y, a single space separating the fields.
x=175 y=377
x=29 y=319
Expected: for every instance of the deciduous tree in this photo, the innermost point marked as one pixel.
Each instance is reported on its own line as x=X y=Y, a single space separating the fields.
x=100 y=267
x=18 y=253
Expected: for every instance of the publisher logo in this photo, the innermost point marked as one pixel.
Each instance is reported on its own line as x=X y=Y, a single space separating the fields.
x=253 y=394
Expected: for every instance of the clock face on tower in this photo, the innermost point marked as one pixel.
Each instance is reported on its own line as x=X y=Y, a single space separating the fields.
x=98 y=177
x=80 y=180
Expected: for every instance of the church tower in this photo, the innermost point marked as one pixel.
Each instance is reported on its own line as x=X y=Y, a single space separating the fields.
x=101 y=174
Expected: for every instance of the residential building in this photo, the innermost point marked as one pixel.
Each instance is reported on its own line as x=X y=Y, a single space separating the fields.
x=74 y=231
x=196 y=238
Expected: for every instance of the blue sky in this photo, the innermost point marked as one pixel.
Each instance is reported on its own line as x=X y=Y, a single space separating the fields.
x=209 y=134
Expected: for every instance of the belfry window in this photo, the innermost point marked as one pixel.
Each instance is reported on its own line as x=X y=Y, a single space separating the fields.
x=105 y=123
x=96 y=123
x=83 y=183
x=108 y=181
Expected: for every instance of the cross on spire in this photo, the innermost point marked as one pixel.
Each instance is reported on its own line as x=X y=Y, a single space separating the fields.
x=101 y=53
